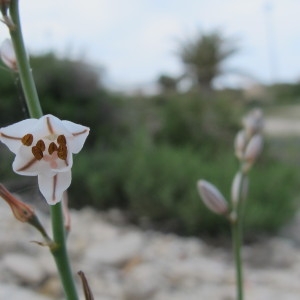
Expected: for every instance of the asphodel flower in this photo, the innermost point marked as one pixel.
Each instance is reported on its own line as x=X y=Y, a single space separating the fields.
x=44 y=148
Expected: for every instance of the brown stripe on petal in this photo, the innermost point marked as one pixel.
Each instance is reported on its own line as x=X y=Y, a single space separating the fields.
x=80 y=132
x=54 y=187
x=11 y=137
x=66 y=162
x=28 y=165
x=50 y=128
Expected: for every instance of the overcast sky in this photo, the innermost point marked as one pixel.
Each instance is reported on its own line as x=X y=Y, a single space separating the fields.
x=136 y=40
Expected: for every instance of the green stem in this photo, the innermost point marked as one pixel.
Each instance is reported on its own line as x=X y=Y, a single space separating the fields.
x=24 y=69
x=59 y=250
x=236 y=238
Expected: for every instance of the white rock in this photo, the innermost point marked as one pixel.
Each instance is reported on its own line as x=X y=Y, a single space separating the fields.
x=9 y=291
x=26 y=269
x=115 y=251
x=143 y=282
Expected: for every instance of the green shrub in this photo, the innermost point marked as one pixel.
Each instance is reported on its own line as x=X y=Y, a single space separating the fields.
x=190 y=120
x=158 y=183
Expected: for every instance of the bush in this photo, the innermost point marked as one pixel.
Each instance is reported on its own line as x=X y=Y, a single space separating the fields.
x=158 y=183
x=190 y=120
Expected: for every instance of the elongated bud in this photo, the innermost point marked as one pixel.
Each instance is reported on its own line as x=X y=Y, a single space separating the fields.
x=239 y=188
x=8 y=55
x=21 y=211
x=24 y=213
x=253 y=122
x=4 y=4
x=254 y=148
x=212 y=197
x=240 y=144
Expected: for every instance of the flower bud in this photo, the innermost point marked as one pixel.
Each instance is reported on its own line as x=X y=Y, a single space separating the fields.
x=21 y=211
x=212 y=197
x=253 y=149
x=239 y=188
x=8 y=55
x=240 y=143
x=4 y=4
x=253 y=122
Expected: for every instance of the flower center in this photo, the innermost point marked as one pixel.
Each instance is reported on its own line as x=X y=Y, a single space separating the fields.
x=39 y=149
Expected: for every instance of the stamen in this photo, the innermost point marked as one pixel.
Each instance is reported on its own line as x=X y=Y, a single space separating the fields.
x=27 y=139
x=40 y=144
x=61 y=140
x=52 y=147
x=37 y=152
x=62 y=152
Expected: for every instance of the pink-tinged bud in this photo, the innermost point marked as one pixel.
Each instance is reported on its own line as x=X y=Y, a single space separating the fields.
x=240 y=143
x=253 y=149
x=253 y=122
x=4 y=4
x=21 y=211
x=239 y=188
x=212 y=197
x=8 y=55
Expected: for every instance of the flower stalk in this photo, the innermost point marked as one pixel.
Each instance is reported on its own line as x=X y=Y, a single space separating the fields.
x=247 y=146
x=26 y=76
x=59 y=236
x=237 y=236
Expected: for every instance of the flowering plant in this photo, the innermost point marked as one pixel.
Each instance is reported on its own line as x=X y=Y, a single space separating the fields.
x=43 y=146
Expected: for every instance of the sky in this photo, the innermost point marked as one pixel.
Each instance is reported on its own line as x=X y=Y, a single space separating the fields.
x=136 y=40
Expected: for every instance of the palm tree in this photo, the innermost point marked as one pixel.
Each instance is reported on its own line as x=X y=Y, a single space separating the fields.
x=167 y=83
x=204 y=57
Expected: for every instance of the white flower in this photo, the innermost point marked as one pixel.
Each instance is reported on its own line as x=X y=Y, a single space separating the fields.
x=44 y=148
x=8 y=54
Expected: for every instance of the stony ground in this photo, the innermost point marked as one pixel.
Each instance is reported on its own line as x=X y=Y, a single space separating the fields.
x=124 y=263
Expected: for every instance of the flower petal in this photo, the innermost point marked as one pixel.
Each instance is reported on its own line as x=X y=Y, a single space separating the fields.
x=11 y=135
x=8 y=54
x=53 y=187
x=48 y=125
x=79 y=135
x=25 y=163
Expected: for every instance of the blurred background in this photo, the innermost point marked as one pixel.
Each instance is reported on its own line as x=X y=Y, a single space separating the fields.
x=163 y=87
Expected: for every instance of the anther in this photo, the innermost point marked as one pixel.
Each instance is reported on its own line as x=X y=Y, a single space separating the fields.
x=62 y=152
x=40 y=144
x=52 y=147
x=61 y=140
x=27 y=139
x=37 y=152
